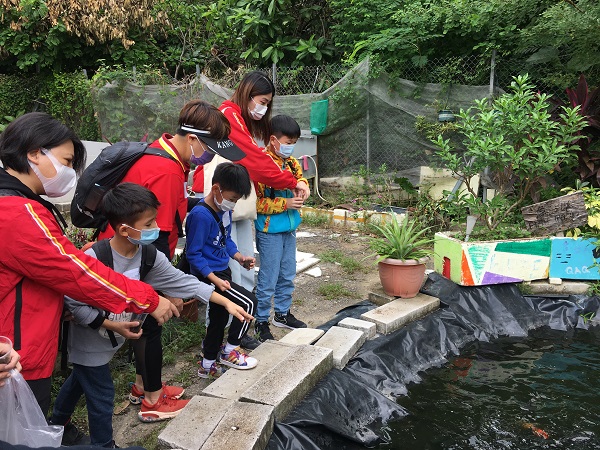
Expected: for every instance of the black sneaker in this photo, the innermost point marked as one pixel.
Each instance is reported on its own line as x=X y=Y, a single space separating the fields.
x=287 y=321
x=249 y=343
x=72 y=436
x=262 y=332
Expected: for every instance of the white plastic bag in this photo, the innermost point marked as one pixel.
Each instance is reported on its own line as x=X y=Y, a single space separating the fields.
x=23 y=422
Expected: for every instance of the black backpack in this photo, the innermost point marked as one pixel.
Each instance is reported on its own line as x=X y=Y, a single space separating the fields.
x=104 y=173
x=103 y=253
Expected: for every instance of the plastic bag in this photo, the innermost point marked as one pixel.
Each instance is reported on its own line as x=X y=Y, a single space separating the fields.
x=23 y=422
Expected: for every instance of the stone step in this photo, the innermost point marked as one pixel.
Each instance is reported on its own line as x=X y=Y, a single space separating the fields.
x=287 y=384
x=209 y=423
x=392 y=316
x=344 y=342
x=233 y=383
x=245 y=426
x=302 y=336
x=369 y=328
x=192 y=427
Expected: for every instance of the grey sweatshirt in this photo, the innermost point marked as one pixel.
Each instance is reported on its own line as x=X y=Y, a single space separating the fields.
x=86 y=345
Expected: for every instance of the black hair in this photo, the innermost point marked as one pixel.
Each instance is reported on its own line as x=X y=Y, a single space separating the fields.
x=32 y=131
x=283 y=125
x=126 y=202
x=255 y=83
x=233 y=177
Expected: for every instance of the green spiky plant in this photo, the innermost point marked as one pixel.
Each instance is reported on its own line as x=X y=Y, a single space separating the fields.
x=406 y=240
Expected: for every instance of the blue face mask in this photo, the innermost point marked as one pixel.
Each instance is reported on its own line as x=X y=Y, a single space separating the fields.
x=147 y=236
x=285 y=150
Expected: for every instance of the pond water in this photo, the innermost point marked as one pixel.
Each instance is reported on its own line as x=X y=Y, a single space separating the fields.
x=540 y=392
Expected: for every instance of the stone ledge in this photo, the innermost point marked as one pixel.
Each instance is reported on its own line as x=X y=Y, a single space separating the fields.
x=193 y=426
x=302 y=336
x=392 y=316
x=344 y=342
x=245 y=426
x=289 y=382
x=369 y=328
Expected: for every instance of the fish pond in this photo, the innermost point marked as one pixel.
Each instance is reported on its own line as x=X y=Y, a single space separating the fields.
x=538 y=392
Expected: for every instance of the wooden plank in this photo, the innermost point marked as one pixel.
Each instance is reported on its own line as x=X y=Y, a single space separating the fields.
x=557 y=214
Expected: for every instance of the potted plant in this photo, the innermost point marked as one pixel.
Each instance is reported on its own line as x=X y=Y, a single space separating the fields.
x=402 y=249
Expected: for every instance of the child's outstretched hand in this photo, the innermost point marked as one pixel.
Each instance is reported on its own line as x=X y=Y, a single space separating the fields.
x=238 y=312
x=247 y=262
x=220 y=284
x=124 y=328
x=294 y=202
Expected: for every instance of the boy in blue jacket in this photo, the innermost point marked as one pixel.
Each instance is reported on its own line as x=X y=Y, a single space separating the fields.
x=278 y=216
x=208 y=249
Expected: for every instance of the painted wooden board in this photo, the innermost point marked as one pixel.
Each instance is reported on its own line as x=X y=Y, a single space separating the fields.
x=491 y=262
x=574 y=259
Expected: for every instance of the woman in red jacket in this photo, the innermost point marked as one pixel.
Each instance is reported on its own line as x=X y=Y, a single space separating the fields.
x=38 y=264
x=249 y=114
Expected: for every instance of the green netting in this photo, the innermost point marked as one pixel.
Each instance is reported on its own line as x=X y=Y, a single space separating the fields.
x=367 y=123
x=318 y=116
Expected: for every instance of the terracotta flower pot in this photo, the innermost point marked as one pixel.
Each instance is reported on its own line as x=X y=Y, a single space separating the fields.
x=402 y=278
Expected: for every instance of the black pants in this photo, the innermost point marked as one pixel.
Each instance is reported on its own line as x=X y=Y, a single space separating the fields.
x=218 y=316
x=41 y=390
x=148 y=353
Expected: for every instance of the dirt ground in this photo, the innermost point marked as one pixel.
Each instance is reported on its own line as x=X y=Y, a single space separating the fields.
x=309 y=305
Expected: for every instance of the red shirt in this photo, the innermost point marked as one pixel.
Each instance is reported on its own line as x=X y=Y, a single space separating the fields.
x=261 y=167
x=198 y=180
x=166 y=178
x=35 y=251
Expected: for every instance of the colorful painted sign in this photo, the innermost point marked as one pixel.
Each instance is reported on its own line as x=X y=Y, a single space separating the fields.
x=574 y=259
x=491 y=262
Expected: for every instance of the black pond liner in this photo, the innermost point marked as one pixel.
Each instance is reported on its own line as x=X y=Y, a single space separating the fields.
x=349 y=408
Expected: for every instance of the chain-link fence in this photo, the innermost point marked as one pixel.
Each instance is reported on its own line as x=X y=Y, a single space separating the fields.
x=373 y=121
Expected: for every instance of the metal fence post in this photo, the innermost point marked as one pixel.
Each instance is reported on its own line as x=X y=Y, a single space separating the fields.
x=274 y=71
x=492 y=75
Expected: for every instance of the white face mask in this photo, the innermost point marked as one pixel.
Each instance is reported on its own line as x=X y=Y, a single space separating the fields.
x=225 y=205
x=61 y=183
x=259 y=110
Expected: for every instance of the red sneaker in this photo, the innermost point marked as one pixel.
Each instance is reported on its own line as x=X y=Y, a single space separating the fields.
x=136 y=396
x=164 y=408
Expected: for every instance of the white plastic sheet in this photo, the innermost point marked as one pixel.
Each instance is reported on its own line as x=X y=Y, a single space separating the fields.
x=23 y=422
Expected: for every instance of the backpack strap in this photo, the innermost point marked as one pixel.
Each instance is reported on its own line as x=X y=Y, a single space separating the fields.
x=103 y=253
x=184 y=264
x=216 y=217
x=179 y=224
x=148 y=260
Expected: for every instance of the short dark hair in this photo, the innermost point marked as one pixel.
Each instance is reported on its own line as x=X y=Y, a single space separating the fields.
x=283 y=125
x=126 y=202
x=204 y=116
x=233 y=177
x=32 y=131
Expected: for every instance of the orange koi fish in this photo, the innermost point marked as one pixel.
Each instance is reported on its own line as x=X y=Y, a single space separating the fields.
x=537 y=431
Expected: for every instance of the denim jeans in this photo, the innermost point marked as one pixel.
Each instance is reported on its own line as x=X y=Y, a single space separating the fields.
x=97 y=385
x=277 y=272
